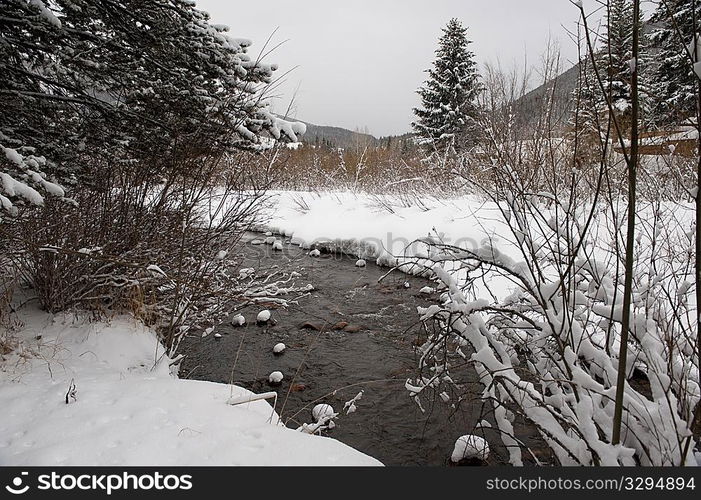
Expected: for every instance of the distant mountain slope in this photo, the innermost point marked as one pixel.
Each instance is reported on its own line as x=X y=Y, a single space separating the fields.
x=335 y=136
x=562 y=88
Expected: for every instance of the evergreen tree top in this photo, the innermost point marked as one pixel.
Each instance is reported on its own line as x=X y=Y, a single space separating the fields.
x=448 y=96
x=675 y=84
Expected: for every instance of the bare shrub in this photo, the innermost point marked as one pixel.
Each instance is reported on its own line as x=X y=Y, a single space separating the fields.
x=166 y=252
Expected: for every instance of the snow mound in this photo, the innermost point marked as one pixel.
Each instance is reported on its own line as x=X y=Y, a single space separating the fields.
x=129 y=410
x=275 y=377
x=470 y=446
x=322 y=411
x=323 y=415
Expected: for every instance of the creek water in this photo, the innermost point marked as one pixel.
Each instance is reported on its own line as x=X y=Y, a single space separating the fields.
x=325 y=363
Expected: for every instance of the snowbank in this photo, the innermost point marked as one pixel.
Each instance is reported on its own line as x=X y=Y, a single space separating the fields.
x=379 y=228
x=129 y=410
x=385 y=229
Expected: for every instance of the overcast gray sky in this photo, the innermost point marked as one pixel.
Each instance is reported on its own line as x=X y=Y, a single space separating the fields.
x=359 y=62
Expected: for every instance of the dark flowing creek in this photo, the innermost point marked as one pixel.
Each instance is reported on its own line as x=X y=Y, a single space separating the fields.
x=325 y=363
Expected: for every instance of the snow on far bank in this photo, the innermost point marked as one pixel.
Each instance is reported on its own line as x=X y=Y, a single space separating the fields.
x=380 y=228
x=385 y=228
x=128 y=412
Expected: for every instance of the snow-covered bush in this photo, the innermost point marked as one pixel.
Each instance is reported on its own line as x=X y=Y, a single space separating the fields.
x=129 y=109
x=547 y=349
x=537 y=310
x=162 y=253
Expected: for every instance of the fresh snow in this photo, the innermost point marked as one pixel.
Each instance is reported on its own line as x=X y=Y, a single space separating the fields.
x=263 y=316
x=350 y=406
x=357 y=224
x=392 y=232
x=321 y=411
x=470 y=446
x=129 y=409
x=155 y=270
x=275 y=377
x=246 y=272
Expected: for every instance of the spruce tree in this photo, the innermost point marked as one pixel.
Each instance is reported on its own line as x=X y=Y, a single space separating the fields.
x=614 y=62
x=448 y=112
x=675 y=84
x=617 y=53
x=88 y=83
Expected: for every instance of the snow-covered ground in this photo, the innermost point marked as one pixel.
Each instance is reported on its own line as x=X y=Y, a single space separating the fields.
x=380 y=227
x=128 y=409
x=384 y=229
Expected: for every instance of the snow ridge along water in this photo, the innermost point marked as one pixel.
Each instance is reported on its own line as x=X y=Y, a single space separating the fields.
x=128 y=409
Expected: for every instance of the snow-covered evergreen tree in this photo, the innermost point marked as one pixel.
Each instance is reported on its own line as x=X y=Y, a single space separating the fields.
x=674 y=83
x=88 y=83
x=448 y=111
x=613 y=61
x=617 y=53
x=586 y=104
